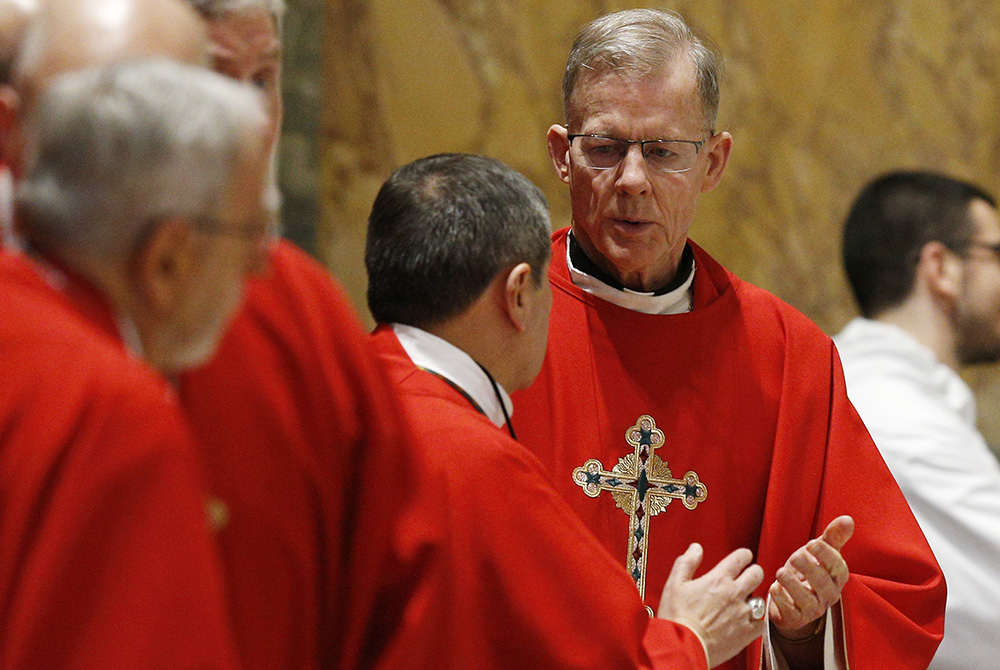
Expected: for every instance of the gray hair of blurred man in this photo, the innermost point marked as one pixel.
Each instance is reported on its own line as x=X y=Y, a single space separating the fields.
x=216 y=8
x=638 y=43
x=112 y=150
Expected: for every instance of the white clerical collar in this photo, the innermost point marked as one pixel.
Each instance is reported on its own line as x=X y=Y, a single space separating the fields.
x=442 y=357
x=677 y=301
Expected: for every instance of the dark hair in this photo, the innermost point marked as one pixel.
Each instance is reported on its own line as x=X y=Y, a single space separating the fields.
x=891 y=221
x=440 y=231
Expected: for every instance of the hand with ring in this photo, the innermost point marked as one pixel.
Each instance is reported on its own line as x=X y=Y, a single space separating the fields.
x=716 y=605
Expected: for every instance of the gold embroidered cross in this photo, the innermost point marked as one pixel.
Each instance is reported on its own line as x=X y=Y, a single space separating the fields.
x=642 y=486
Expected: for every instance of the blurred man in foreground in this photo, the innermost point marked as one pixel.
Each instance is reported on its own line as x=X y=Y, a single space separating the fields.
x=143 y=202
x=303 y=439
x=300 y=434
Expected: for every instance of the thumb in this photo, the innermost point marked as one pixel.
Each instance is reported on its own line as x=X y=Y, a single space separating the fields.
x=839 y=532
x=686 y=564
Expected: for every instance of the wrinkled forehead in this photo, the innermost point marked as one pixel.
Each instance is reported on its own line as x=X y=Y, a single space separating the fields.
x=248 y=34
x=213 y=9
x=671 y=86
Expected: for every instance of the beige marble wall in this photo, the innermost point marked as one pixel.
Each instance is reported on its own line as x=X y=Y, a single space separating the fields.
x=820 y=96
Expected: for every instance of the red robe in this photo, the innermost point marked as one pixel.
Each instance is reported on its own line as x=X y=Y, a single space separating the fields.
x=517 y=581
x=750 y=396
x=304 y=447
x=106 y=560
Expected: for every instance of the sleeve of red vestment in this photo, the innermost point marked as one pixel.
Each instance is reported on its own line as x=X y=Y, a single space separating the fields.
x=673 y=646
x=825 y=465
x=359 y=448
x=120 y=570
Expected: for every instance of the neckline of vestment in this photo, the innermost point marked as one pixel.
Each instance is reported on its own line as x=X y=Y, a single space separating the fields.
x=676 y=301
x=442 y=358
x=87 y=299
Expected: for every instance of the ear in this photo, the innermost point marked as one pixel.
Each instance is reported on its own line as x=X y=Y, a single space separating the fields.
x=940 y=270
x=717 y=149
x=163 y=266
x=558 y=138
x=517 y=296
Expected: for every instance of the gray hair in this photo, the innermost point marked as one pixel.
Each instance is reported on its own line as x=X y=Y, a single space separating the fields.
x=214 y=9
x=640 y=42
x=111 y=150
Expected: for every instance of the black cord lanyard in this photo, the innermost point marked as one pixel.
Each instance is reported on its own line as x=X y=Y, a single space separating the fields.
x=503 y=406
x=475 y=405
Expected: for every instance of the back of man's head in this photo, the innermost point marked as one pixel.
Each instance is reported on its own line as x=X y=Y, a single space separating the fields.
x=889 y=224
x=70 y=35
x=113 y=150
x=442 y=229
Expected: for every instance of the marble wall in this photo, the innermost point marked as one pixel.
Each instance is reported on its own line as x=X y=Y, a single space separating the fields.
x=302 y=92
x=819 y=96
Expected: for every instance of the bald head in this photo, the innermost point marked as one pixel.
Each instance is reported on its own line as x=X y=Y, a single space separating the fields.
x=14 y=18
x=70 y=35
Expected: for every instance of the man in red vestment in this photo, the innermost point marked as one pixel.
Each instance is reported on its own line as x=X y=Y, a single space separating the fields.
x=457 y=251
x=107 y=559
x=667 y=373
x=303 y=439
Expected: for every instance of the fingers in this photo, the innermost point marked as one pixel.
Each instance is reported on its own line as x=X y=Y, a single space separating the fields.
x=748 y=581
x=795 y=594
x=686 y=564
x=783 y=609
x=814 y=574
x=733 y=564
x=831 y=561
x=838 y=532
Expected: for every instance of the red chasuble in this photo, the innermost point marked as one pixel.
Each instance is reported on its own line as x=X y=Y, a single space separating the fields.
x=106 y=560
x=305 y=451
x=749 y=396
x=515 y=581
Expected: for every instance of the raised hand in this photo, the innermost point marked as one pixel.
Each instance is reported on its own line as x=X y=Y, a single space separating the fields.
x=810 y=582
x=715 y=605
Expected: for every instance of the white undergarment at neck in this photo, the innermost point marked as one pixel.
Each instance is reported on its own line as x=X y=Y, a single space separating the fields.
x=444 y=358
x=677 y=301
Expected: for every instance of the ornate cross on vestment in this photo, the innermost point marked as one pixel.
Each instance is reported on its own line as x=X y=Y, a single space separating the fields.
x=642 y=486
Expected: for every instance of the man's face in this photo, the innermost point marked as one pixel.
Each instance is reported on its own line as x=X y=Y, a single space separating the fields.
x=977 y=310
x=229 y=250
x=631 y=221
x=246 y=47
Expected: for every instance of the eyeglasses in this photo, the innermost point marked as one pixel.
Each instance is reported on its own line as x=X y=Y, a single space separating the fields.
x=605 y=153
x=992 y=248
x=266 y=231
